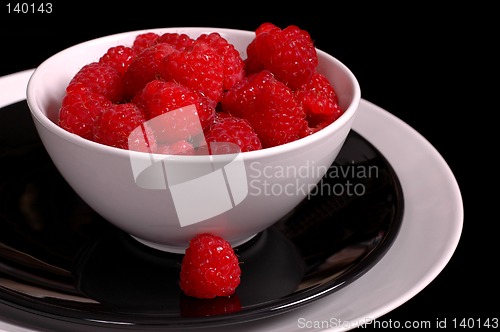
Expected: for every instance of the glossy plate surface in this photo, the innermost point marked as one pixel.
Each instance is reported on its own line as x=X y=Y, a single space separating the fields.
x=427 y=238
x=60 y=260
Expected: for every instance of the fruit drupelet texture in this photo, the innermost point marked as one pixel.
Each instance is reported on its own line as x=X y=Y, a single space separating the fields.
x=210 y=268
x=277 y=91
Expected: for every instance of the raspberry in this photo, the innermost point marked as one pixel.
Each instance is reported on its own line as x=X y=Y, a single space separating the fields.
x=143 y=139
x=200 y=68
x=80 y=110
x=252 y=63
x=241 y=98
x=143 y=41
x=180 y=41
x=222 y=115
x=116 y=124
x=319 y=100
x=209 y=268
x=118 y=57
x=265 y=28
x=289 y=54
x=145 y=68
x=232 y=61
x=270 y=107
x=159 y=97
x=233 y=130
x=98 y=78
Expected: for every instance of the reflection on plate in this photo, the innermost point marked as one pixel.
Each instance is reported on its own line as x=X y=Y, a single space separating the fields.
x=61 y=260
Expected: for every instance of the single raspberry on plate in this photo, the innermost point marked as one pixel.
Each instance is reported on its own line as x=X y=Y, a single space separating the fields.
x=232 y=130
x=143 y=41
x=270 y=107
x=231 y=58
x=319 y=101
x=289 y=54
x=180 y=41
x=145 y=68
x=159 y=97
x=80 y=109
x=200 y=68
x=117 y=123
x=209 y=268
x=119 y=57
x=98 y=78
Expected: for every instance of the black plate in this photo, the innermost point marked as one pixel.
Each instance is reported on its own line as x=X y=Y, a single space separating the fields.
x=62 y=266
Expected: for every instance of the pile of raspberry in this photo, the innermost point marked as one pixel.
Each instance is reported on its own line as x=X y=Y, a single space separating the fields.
x=273 y=96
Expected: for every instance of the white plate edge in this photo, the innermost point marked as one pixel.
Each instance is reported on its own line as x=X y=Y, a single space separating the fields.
x=9 y=87
x=453 y=240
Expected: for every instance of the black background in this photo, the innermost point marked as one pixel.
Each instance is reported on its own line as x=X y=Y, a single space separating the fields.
x=428 y=66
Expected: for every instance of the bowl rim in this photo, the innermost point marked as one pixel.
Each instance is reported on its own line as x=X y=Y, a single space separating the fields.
x=320 y=135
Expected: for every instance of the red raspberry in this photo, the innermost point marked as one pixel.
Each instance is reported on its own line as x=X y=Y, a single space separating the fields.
x=241 y=98
x=289 y=54
x=98 y=78
x=117 y=123
x=180 y=41
x=233 y=130
x=210 y=268
x=319 y=101
x=143 y=139
x=159 y=97
x=233 y=63
x=143 y=41
x=270 y=107
x=79 y=111
x=118 y=57
x=222 y=115
x=200 y=68
x=145 y=68
x=265 y=28
x=252 y=62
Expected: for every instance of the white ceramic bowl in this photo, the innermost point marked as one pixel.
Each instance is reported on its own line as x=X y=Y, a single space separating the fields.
x=235 y=196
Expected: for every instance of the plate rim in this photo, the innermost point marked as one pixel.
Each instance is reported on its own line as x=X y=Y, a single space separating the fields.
x=454 y=198
x=369 y=115
x=378 y=244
